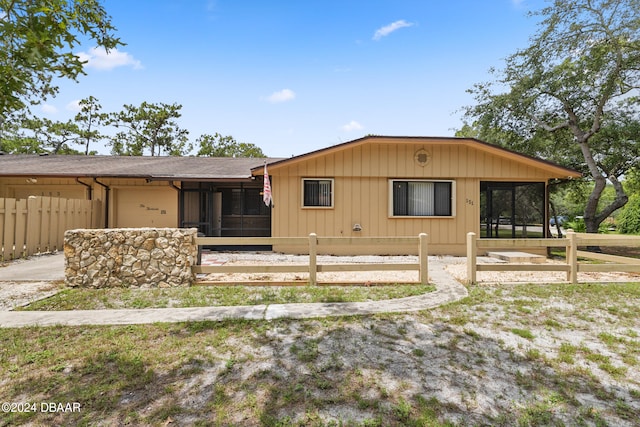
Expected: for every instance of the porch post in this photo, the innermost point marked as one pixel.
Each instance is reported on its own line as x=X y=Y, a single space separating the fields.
x=472 y=252
x=424 y=258
x=572 y=257
x=313 y=253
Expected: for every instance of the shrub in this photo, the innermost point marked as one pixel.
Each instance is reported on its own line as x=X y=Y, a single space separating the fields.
x=629 y=218
x=578 y=225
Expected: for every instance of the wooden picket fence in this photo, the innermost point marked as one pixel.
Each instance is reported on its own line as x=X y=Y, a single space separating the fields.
x=572 y=244
x=37 y=224
x=312 y=243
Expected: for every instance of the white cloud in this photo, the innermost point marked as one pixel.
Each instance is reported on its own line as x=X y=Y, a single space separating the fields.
x=74 y=106
x=351 y=126
x=100 y=59
x=281 y=96
x=48 y=109
x=388 y=29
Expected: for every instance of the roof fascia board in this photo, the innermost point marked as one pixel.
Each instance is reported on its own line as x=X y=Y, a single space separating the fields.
x=145 y=177
x=523 y=158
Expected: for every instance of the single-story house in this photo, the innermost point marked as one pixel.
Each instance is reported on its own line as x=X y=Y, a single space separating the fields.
x=372 y=186
x=219 y=196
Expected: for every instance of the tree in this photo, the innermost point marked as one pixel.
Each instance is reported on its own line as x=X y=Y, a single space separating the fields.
x=52 y=136
x=149 y=128
x=37 y=38
x=26 y=134
x=575 y=90
x=89 y=120
x=225 y=146
x=13 y=138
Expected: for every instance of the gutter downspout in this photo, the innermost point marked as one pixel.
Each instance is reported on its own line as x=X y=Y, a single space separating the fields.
x=89 y=188
x=106 y=201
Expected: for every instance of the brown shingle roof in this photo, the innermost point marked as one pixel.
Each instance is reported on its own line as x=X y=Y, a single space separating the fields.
x=158 y=168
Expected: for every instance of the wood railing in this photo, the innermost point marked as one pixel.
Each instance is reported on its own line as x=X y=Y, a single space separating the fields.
x=37 y=224
x=571 y=244
x=313 y=242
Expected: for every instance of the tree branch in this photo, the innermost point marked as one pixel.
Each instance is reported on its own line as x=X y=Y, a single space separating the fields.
x=547 y=127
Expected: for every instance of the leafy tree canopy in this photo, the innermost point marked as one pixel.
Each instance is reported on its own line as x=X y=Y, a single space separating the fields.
x=225 y=146
x=36 y=42
x=572 y=95
x=629 y=219
x=15 y=138
x=632 y=181
x=149 y=129
x=54 y=137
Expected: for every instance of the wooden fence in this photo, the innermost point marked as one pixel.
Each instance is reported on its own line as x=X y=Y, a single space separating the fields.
x=313 y=242
x=571 y=243
x=37 y=224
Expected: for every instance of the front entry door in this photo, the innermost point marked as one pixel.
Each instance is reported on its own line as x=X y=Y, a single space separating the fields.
x=202 y=209
x=500 y=221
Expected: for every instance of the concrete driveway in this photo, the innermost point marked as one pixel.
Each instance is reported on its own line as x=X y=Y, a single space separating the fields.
x=35 y=269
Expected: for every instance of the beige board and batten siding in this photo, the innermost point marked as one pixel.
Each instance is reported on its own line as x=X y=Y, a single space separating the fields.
x=22 y=188
x=151 y=206
x=133 y=202
x=361 y=173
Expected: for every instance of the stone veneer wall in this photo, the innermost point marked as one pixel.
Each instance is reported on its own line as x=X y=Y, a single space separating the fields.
x=130 y=257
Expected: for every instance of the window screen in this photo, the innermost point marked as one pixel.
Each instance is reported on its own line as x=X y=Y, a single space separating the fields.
x=318 y=192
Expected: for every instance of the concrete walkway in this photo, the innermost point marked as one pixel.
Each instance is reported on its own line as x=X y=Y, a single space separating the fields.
x=447 y=290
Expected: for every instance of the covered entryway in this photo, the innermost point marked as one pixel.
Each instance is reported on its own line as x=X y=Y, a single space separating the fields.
x=225 y=209
x=512 y=209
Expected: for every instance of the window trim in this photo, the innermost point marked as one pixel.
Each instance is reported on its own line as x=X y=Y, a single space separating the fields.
x=302 y=198
x=392 y=181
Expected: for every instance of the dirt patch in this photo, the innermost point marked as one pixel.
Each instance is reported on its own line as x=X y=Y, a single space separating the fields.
x=507 y=355
x=17 y=294
x=355 y=277
x=456 y=266
x=499 y=359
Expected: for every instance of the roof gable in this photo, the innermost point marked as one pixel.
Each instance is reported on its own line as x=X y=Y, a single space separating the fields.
x=549 y=168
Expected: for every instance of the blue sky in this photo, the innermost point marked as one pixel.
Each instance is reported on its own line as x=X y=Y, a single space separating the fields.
x=296 y=76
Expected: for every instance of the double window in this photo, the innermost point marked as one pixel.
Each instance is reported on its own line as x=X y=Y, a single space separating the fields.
x=422 y=198
x=317 y=193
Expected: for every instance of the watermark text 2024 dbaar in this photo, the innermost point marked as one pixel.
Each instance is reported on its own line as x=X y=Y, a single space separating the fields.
x=53 y=407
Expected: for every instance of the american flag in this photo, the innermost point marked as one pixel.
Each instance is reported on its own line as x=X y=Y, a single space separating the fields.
x=266 y=190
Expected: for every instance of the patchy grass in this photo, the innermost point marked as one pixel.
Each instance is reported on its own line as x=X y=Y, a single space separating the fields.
x=458 y=365
x=523 y=333
x=210 y=296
